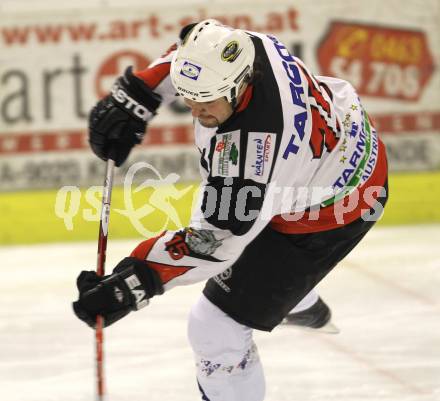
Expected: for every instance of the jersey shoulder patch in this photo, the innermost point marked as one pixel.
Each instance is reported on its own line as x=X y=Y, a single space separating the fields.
x=225 y=159
x=260 y=151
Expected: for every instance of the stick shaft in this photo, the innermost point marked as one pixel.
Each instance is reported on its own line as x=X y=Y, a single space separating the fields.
x=100 y=270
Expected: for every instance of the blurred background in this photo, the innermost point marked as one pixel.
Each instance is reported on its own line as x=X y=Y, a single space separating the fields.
x=57 y=59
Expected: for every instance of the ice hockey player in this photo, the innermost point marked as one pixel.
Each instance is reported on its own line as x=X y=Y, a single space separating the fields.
x=293 y=177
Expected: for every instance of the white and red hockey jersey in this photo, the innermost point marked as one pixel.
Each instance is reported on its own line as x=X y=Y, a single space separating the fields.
x=298 y=149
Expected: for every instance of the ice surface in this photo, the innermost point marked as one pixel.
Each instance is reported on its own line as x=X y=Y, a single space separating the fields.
x=385 y=298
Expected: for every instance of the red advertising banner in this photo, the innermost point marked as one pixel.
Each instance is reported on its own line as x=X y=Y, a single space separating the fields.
x=379 y=61
x=54 y=68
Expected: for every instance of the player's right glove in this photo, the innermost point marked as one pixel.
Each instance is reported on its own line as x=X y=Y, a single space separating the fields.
x=128 y=288
x=118 y=121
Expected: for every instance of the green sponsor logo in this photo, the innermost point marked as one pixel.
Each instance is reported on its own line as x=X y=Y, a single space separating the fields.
x=233 y=156
x=228 y=154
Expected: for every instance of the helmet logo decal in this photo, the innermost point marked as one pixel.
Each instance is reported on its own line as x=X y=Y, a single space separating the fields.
x=231 y=52
x=190 y=70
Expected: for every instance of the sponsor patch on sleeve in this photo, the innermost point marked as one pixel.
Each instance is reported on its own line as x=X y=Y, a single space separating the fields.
x=225 y=160
x=259 y=156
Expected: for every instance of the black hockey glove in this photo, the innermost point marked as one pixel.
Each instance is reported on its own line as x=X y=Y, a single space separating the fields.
x=128 y=288
x=118 y=121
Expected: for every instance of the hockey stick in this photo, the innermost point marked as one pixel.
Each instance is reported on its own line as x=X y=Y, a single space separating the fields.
x=100 y=270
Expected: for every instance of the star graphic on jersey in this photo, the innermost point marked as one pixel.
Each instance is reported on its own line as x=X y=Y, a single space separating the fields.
x=353 y=133
x=353 y=107
x=343 y=148
x=347 y=121
x=343 y=159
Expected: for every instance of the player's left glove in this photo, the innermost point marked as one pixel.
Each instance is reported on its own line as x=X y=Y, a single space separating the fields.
x=128 y=288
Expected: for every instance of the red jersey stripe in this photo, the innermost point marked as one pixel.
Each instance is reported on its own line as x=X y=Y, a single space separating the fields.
x=327 y=216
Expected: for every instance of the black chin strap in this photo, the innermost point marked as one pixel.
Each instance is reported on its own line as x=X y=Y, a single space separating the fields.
x=233 y=98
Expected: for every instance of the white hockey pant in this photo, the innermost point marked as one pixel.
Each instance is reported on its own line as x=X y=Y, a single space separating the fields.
x=227 y=362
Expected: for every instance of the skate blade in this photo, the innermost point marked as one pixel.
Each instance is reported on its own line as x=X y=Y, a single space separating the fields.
x=328 y=328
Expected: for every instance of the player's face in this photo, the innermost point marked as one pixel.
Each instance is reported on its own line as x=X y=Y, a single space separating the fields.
x=210 y=114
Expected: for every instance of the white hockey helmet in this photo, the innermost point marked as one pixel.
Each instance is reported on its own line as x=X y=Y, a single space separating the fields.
x=211 y=62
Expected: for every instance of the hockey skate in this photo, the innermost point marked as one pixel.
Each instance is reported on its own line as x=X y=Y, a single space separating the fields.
x=317 y=317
